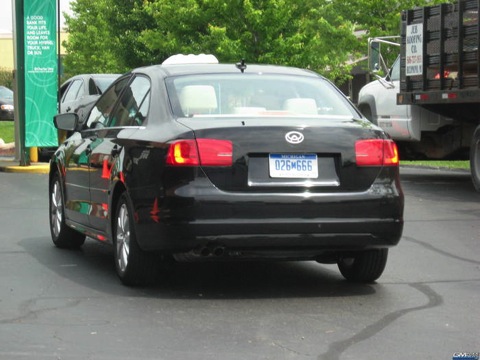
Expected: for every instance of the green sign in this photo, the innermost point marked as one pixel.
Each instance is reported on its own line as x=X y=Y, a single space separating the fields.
x=41 y=79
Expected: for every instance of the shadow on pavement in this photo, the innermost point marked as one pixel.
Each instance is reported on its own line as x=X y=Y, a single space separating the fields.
x=92 y=267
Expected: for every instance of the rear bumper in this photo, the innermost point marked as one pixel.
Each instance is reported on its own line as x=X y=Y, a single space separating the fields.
x=200 y=215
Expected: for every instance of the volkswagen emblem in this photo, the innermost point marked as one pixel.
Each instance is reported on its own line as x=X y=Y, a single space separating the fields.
x=294 y=137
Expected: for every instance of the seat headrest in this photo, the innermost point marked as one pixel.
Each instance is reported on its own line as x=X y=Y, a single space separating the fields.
x=198 y=99
x=304 y=106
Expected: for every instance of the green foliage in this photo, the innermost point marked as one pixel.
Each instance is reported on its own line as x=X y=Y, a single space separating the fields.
x=116 y=35
x=7 y=131
x=6 y=78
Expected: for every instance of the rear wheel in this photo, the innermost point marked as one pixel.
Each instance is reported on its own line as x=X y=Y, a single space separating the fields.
x=475 y=158
x=62 y=235
x=134 y=266
x=366 y=266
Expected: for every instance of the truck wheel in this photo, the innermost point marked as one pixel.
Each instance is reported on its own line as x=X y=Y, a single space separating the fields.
x=365 y=266
x=62 y=235
x=475 y=158
x=134 y=266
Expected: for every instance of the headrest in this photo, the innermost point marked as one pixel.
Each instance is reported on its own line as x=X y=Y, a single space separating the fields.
x=304 y=106
x=198 y=99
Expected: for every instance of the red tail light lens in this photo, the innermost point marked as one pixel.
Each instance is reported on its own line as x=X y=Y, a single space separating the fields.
x=183 y=153
x=205 y=152
x=376 y=152
x=390 y=153
x=215 y=152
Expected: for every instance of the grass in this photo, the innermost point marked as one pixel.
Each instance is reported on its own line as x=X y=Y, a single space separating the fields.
x=7 y=131
x=450 y=164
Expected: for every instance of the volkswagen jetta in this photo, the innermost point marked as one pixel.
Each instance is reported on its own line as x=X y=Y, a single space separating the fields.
x=194 y=160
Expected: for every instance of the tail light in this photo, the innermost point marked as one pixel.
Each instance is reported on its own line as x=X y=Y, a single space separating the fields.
x=205 y=152
x=376 y=152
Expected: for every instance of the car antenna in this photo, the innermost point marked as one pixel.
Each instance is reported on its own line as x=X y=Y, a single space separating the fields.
x=241 y=65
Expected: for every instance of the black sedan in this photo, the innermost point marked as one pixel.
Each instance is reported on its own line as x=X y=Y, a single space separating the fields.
x=206 y=161
x=6 y=103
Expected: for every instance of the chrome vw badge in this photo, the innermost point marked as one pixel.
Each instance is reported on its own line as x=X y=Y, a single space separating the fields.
x=294 y=137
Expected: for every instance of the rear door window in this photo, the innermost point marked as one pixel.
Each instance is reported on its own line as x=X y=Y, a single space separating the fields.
x=103 y=108
x=133 y=105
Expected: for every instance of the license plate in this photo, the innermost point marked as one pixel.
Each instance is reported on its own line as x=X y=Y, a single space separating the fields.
x=293 y=166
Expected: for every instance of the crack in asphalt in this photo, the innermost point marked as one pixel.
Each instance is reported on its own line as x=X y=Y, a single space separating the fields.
x=337 y=348
x=29 y=314
x=439 y=251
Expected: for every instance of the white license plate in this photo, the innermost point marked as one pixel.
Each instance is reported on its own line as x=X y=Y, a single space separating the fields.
x=293 y=166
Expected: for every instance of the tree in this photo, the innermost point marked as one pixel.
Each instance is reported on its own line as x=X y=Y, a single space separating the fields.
x=103 y=36
x=305 y=34
x=116 y=35
x=90 y=43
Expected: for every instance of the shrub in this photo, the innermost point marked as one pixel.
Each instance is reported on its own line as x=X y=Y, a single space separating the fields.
x=6 y=77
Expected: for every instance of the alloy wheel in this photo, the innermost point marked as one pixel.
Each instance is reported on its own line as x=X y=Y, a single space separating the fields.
x=56 y=209
x=123 y=238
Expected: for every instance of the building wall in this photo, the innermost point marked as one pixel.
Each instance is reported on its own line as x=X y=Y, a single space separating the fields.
x=6 y=49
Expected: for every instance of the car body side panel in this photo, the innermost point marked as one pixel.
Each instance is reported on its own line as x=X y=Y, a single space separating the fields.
x=77 y=192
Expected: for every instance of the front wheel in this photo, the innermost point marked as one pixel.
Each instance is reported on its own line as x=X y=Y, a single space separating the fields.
x=365 y=266
x=62 y=235
x=475 y=158
x=134 y=266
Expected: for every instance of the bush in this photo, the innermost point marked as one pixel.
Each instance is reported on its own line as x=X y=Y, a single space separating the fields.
x=6 y=78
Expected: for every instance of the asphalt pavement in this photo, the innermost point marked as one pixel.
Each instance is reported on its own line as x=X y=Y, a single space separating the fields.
x=64 y=304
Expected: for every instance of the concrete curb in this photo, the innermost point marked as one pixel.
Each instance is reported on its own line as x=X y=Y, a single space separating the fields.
x=13 y=166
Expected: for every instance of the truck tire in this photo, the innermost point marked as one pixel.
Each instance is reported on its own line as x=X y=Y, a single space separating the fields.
x=475 y=158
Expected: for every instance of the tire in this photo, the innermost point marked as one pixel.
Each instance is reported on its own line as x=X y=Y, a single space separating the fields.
x=365 y=267
x=62 y=235
x=475 y=158
x=133 y=265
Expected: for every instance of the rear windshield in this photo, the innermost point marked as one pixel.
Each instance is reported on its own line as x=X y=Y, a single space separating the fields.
x=256 y=95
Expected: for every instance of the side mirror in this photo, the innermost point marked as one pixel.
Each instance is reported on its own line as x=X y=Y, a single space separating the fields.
x=67 y=121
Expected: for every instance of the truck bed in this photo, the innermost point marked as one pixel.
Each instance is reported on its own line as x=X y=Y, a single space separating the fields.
x=440 y=57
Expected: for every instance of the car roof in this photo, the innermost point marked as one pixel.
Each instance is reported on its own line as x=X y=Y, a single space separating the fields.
x=88 y=76
x=198 y=69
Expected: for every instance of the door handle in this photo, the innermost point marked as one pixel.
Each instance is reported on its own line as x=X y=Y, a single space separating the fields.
x=68 y=109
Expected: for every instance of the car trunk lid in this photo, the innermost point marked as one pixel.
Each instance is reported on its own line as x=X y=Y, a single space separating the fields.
x=270 y=154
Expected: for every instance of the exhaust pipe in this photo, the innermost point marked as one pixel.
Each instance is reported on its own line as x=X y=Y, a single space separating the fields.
x=219 y=251
x=206 y=251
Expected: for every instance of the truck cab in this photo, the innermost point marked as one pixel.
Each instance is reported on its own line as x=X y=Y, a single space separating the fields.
x=418 y=131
